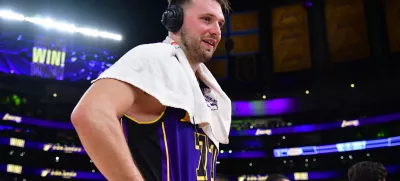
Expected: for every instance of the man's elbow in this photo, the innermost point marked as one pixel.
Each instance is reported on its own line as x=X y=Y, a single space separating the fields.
x=80 y=116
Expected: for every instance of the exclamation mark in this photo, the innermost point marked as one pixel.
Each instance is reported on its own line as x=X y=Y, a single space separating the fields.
x=62 y=59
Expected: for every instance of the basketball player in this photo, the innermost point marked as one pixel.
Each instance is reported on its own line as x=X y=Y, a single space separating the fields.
x=160 y=144
x=367 y=171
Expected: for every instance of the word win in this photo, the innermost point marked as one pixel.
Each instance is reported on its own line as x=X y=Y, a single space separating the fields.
x=48 y=57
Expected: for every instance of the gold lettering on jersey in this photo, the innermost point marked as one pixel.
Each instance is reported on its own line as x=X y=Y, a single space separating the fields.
x=9 y=117
x=205 y=146
x=350 y=123
x=202 y=146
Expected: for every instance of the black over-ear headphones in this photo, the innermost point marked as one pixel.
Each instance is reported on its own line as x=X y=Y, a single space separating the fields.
x=172 y=17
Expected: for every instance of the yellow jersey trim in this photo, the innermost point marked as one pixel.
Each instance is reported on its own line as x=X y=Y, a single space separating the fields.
x=186 y=118
x=150 y=122
x=166 y=149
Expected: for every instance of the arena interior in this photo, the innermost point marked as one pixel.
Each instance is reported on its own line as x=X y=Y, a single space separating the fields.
x=314 y=83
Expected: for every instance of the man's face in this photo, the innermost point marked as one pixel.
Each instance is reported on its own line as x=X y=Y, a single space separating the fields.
x=201 y=30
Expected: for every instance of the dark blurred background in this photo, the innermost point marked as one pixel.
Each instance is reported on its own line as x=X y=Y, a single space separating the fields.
x=314 y=83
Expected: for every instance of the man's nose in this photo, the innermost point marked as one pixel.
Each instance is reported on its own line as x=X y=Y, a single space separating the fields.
x=215 y=29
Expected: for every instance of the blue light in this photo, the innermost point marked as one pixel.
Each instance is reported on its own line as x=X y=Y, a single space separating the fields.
x=338 y=147
x=92 y=63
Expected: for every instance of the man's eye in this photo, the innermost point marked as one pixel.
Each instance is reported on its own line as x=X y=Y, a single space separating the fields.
x=206 y=19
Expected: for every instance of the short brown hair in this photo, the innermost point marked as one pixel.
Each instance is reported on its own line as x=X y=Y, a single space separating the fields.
x=367 y=171
x=225 y=5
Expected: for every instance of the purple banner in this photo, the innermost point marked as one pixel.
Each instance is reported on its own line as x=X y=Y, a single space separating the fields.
x=242 y=154
x=251 y=132
x=47 y=172
x=51 y=147
x=262 y=108
x=317 y=127
x=36 y=122
x=313 y=175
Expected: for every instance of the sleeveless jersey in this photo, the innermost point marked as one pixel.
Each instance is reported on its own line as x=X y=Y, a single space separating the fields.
x=171 y=148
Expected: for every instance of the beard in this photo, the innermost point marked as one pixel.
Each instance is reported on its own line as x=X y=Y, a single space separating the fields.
x=193 y=49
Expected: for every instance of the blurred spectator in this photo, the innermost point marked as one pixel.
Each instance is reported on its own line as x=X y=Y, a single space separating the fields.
x=367 y=171
x=277 y=177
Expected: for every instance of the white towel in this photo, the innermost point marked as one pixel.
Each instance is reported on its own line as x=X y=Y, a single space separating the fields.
x=163 y=71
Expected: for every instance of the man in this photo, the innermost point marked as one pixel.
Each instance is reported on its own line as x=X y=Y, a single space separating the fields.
x=367 y=171
x=277 y=177
x=163 y=140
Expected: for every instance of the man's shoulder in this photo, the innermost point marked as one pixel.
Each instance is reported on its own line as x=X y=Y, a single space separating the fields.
x=153 y=48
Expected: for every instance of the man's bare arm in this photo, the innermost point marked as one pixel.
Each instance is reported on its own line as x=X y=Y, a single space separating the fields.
x=95 y=118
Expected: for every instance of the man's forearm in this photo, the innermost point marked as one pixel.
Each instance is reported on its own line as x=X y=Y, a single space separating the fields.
x=105 y=144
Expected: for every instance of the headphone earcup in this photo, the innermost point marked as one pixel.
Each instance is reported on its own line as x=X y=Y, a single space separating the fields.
x=172 y=18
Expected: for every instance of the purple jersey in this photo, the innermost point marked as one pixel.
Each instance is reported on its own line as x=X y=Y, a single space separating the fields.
x=170 y=148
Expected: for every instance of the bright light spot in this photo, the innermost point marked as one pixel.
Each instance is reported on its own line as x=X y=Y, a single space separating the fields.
x=11 y=15
x=55 y=95
x=264 y=96
x=307 y=92
x=58 y=25
x=230 y=151
x=250 y=164
x=352 y=85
